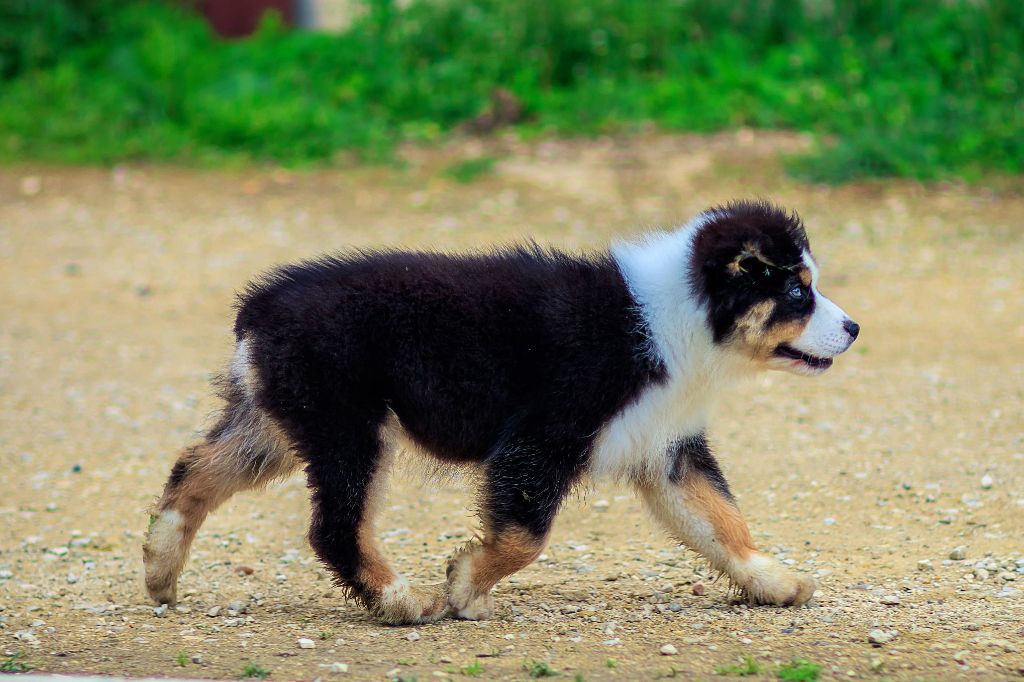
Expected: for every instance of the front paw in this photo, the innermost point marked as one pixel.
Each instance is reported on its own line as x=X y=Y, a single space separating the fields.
x=480 y=607
x=769 y=583
x=464 y=597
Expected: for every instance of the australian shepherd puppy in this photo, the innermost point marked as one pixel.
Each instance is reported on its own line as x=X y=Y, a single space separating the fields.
x=537 y=367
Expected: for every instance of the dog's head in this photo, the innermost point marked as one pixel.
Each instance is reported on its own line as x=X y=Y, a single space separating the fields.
x=753 y=269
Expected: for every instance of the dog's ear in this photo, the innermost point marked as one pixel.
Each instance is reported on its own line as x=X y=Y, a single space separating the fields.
x=750 y=261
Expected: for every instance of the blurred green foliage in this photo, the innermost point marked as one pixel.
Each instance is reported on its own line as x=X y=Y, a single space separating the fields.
x=917 y=88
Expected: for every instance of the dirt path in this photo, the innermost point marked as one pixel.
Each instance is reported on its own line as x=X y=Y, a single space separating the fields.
x=117 y=290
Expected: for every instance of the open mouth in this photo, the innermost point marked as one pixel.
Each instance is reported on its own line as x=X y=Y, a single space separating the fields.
x=786 y=351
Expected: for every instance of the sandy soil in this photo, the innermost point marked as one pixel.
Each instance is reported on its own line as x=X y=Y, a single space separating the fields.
x=117 y=289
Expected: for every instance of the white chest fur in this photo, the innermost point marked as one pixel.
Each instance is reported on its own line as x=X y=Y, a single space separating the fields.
x=636 y=443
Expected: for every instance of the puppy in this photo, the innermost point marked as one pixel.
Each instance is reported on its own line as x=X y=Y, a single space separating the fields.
x=537 y=367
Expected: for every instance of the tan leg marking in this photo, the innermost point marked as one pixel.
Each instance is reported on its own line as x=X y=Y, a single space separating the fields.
x=211 y=472
x=374 y=573
x=385 y=593
x=701 y=517
x=478 y=566
x=724 y=516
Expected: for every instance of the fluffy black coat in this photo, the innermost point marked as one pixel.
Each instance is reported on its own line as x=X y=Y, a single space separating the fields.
x=541 y=348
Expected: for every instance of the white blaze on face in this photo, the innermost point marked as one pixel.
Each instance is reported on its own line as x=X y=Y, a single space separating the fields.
x=824 y=336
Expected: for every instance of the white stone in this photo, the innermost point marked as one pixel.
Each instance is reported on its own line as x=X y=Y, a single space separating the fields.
x=335 y=667
x=879 y=637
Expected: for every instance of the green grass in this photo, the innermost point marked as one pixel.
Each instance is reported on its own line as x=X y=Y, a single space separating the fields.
x=912 y=88
x=12 y=664
x=255 y=670
x=539 y=669
x=474 y=669
x=799 y=670
x=748 y=668
x=471 y=169
x=182 y=659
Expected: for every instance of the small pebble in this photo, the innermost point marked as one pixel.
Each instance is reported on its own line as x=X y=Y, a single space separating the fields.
x=413 y=636
x=31 y=185
x=891 y=600
x=244 y=570
x=986 y=482
x=160 y=611
x=958 y=553
x=879 y=637
x=335 y=667
x=698 y=589
x=925 y=565
x=305 y=643
x=668 y=650
x=72 y=578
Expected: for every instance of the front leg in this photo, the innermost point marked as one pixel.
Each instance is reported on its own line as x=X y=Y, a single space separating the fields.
x=695 y=505
x=523 y=489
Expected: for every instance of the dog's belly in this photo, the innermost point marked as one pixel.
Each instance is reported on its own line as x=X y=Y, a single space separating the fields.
x=637 y=442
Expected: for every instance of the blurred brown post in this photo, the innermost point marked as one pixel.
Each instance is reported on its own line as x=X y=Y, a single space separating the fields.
x=239 y=18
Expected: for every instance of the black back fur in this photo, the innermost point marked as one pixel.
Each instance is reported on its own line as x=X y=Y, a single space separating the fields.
x=541 y=348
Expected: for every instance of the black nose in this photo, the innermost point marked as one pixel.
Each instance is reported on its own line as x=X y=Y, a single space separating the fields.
x=852 y=328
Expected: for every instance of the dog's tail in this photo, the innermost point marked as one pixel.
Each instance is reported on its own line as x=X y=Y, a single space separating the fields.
x=245 y=449
x=249 y=442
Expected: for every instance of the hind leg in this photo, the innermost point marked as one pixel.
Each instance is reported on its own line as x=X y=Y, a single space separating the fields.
x=244 y=451
x=347 y=473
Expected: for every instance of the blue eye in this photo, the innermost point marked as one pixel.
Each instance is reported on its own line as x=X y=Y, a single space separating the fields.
x=798 y=293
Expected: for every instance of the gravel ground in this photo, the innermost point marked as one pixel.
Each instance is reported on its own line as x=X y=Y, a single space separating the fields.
x=897 y=478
